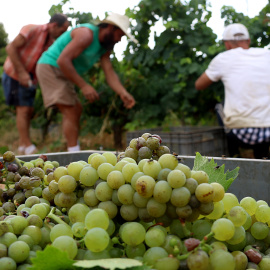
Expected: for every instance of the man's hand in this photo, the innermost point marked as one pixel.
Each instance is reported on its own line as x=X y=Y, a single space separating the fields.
x=24 y=78
x=128 y=100
x=90 y=93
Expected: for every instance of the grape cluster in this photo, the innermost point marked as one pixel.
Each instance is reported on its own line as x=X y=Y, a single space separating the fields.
x=152 y=208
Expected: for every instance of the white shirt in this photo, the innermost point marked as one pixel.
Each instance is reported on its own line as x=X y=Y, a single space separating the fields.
x=245 y=74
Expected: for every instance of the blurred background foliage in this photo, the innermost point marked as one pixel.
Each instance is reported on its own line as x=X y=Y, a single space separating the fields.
x=161 y=78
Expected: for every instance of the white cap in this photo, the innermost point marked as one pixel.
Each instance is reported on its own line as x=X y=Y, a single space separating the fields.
x=235 y=31
x=122 y=21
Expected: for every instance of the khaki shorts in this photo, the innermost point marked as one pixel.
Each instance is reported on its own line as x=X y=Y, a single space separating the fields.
x=55 y=87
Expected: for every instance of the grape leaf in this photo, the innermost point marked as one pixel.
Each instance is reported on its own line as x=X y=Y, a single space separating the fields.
x=215 y=172
x=112 y=264
x=52 y=258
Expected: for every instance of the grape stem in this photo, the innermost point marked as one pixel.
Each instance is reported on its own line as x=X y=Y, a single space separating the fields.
x=55 y=217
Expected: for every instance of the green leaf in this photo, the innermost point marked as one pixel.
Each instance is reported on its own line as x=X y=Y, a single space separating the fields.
x=52 y=258
x=112 y=264
x=215 y=172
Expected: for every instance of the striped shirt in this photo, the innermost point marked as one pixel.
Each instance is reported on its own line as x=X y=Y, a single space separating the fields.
x=37 y=41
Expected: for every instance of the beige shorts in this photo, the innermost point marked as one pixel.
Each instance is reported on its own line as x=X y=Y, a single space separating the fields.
x=55 y=88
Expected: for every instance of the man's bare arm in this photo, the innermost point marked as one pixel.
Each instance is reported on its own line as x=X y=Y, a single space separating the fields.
x=203 y=82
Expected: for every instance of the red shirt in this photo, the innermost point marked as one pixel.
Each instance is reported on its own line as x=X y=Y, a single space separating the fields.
x=37 y=41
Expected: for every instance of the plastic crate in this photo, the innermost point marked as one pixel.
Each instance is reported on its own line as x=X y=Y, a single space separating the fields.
x=209 y=141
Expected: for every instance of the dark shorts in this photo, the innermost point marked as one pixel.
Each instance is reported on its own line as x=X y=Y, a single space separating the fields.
x=16 y=94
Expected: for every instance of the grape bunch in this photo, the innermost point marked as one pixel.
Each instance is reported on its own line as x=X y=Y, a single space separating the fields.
x=153 y=209
x=145 y=147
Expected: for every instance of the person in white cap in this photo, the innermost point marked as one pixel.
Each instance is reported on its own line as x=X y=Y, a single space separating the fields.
x=61 y=67
x=244 y=73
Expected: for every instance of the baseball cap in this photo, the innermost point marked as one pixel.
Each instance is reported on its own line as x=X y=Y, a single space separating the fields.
x=122 y=21
x=235 y=31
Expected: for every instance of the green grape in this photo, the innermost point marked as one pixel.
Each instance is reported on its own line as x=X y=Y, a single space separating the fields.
x=88 y=176
x=249 y=204
x=18 y=251
x=144 y=153
x=78 y=212
x=198 y=260
x=144 y=215
x=168 y=263
x=91 y=156
x=27 y=239
x=104 y=169
x=97 y=160
x=129 y=160
x=204 y=193
x=131 y=152
x=45 y=237
x=132 y=233
x=172 y=241
x=74 y=169
x=3 y=250
x=34 y=220
x=8 y=263
x=229 y=201
x=8 y=238
x=96 y=239
x=115 y=199
x=153 y=254
x=223 y=229
x=59 y=172
x=184 y=211
x=60 y=230
x=90 y=255
x=145 y=186
x=120 y=164
x=125 y=194
x=65 y=199
x=264 y=264
x=162 y=191
x=163 y=174
x=115 y=179
x=176 y=178
x=47 y=195
x=90 y=197
x=219 y=191
x=109 y=207
x=237 y=215
x=248 y=222
x=37 y=191
x=155 y=209
x=191 y=184
x=40 y=210
x=142 y=162
x=139 y=201
x=135 y=251
x=129 y=212
x=201 y=228
x=217 y=212
x=97 y=218
x=67 y=244
x=154 y=237
x=184 y=168
x=221 y=259
x=103 y=192
x=259 y=230
x=129 y=170
x=262 y=202
x=152 y=168
x=146 y=135
x=30 y=201
x=111 y=227
x=18 y=223
x=262 y=213
x=34 y=232
x=168 y=161
x=78 y=229
x=110 y=157
x=135 y=178
x=153 y=143
x=180 y=196
x=200 y=176
x=241 y=260
x=238 y=237
x=218 y=245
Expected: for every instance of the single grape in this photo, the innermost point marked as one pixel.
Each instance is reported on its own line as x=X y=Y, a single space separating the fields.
x=97 y=218
x=96 y=239
x=67 y=244
x=88 y=176
x=223 y=229
x=18 y=251
x=132 y=233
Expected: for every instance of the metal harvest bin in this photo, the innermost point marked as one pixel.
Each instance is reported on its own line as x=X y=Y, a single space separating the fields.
x=253 y=179
x=208 y=141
